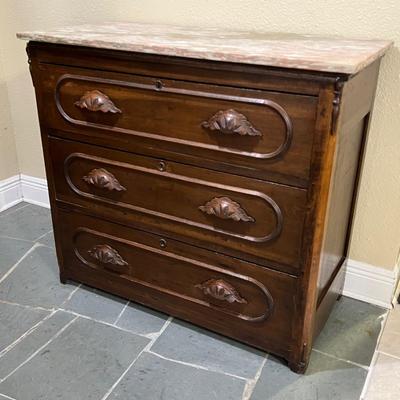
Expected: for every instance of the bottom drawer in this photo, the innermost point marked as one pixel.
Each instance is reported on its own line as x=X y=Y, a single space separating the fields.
x=241 y=300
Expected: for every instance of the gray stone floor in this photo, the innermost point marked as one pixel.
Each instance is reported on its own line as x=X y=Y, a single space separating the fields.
x=384 y=374
x=70 y=342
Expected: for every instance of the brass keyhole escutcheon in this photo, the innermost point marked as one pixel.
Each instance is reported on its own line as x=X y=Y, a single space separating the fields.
x=162 y=166
x=159 y=85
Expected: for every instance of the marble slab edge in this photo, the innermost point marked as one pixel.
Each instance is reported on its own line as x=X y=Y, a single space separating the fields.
x=304 y=52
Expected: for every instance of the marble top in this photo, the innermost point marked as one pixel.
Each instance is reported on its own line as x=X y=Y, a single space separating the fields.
x=329 y=54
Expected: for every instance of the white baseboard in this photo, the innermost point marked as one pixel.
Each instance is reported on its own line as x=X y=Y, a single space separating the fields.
x=34 y=191
x=364 y=282
x=369 y=283
x=10 y=192
x=23 y=188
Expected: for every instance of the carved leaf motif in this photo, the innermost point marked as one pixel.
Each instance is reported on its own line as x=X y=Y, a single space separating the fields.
x=225 y=208
x=231 y=121
x=107 y=255
x=103 y=179
x=94 y=100
x=221 y=290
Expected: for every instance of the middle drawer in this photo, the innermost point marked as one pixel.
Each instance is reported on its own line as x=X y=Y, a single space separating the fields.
x=243 y=217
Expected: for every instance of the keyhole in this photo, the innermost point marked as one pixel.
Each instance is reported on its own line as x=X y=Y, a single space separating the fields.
x=159 y=85
x=162 y=166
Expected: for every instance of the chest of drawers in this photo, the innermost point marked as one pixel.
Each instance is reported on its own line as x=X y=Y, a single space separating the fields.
x=218 y=188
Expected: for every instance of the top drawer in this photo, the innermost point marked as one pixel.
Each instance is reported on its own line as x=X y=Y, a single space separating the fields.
x=264 y=134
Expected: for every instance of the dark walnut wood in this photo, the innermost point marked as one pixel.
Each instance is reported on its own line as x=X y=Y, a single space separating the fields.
x=168 y=277
x=231 y=122
x=95 y=100
x=167 y=121
x=103 y=179
x=168 y=198
x=107 y=255
x=225 y=208
x=223 y=194
x=221 y=290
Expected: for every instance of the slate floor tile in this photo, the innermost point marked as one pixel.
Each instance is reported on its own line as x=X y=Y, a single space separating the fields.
x=13 y=209
x=351 y=331
x=385 y=379
x=11 y=250
x=86 y=359
x=326 y=379
x=153 y=378
x=27 y=223
x=2 y=397
x=15 y=321
x=96 y=304
x=48 y=240
x=393 y=321
x=390 y=343
x=141 y=320
x=35 y=281
x=37 y=338
x=82 y=363
x=185 y=342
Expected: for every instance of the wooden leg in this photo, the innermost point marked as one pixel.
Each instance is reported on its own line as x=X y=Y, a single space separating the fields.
x=298 y=368
x=299 y=362
x=63 y=279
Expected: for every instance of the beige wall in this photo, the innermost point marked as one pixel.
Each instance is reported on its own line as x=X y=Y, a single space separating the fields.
x=376 y=235
x=8 y=151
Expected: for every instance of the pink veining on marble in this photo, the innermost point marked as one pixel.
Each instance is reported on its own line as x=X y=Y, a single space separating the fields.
x=329 y=54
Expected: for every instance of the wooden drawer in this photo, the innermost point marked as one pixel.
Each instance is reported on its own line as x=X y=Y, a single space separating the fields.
x=264 y=134
x=227 y=295
x=235 y=215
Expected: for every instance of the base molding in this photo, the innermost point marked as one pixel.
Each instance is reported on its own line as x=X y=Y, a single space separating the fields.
x=35 y=191
x=10 y=192
x=20 y=188
x=369 y=283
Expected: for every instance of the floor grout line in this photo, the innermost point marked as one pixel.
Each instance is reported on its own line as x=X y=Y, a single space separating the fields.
x=54 y=310
x=120 y=314
x=388 y=354
x=251 y=383
x=101 y=322
x=27 y=333
x=7 y=397
x=11 y=270
x=390 y=332
x=40 y=349
x=146 y=348
x=40 y=237
x=374 y=357
x=151 y=335
x=341 y=359
x=70 y=295
x=46 y=246
x=368 y=377
x=14 y=211
x=197 y=366
x=15 y=238
x=39 y=308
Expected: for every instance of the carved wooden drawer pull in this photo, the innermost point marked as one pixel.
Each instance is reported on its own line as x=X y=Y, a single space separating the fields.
x=231 y=121
x=225 y=208
x=221 y=290
x=94 y=100
x=107 y=255
x=103 y=179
